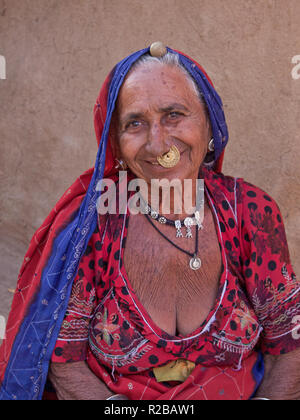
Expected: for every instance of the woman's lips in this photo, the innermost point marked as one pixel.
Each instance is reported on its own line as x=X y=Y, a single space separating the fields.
x=152 y=163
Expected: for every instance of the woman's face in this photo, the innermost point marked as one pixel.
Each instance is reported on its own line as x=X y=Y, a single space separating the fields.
x=156 y=109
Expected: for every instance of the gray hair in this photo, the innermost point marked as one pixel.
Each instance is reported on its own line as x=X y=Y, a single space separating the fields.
x=169 y=59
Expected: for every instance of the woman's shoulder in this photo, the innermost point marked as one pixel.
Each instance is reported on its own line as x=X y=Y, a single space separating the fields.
x=254 y=192
x=255 y=198
x=246 y=193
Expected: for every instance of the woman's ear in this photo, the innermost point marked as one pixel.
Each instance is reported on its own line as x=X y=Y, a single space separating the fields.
x=210 y=156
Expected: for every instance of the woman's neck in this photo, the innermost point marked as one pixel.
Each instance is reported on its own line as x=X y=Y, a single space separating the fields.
x=176 y=199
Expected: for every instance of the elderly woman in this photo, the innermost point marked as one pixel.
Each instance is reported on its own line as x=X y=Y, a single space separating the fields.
x=157 y=306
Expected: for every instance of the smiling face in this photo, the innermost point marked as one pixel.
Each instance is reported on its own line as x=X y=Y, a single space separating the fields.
x=156 y=109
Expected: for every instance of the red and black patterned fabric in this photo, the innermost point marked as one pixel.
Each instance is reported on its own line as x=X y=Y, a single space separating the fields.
x=257 y=310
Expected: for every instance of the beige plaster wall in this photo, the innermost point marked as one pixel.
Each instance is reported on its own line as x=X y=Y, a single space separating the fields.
x=59 y=51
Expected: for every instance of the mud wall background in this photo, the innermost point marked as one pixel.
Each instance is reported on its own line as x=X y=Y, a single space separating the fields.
x=57 y=54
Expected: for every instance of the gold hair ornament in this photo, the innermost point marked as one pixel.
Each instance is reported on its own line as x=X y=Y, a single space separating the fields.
x=158 y=49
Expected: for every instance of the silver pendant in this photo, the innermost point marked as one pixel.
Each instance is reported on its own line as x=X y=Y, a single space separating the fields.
x=146 y=208
x=178 y=229
x=188 y=222
x=154 y=214
x=198 y=220
x=195 y=263
x=162 y=220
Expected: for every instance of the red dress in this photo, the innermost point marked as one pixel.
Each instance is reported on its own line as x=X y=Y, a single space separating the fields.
x=257 y=309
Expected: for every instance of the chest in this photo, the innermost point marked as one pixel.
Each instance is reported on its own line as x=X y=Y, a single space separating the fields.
x=177 y=298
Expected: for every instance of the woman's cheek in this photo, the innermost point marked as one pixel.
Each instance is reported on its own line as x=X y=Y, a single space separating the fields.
x=129 y=150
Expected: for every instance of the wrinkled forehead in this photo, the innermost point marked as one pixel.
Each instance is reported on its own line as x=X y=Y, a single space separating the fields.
x=157 y=85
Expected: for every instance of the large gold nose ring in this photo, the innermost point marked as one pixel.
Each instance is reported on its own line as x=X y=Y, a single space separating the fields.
x=169 y=159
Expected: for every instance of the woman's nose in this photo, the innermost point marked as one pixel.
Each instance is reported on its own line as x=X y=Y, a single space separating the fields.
x=156 y=142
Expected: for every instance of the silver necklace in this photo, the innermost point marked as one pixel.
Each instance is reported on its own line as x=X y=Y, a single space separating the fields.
x=188 y=222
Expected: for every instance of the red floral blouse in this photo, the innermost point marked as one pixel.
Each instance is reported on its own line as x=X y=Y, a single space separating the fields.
x=256 y=312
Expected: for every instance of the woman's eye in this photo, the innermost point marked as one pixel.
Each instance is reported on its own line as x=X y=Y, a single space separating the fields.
x=174 y=114
x=133 y=124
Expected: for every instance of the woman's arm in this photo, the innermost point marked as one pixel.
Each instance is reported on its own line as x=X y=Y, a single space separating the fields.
x=75 y=381
x=282 y=377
